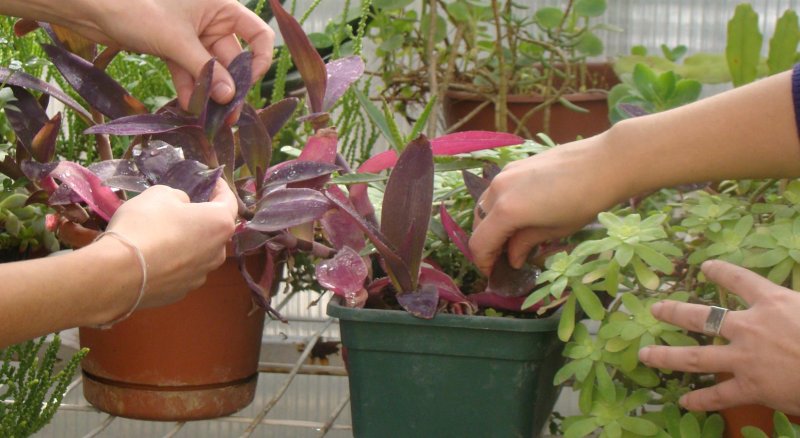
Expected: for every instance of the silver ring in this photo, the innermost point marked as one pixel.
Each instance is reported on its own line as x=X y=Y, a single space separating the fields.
x=479 y=210
x=713 y=323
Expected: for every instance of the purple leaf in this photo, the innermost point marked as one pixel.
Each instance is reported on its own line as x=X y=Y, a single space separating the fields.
x=156 y=159
x=340 y=74
x=340 y=229
x=202 y=91
x=632 y=110
x=471 y=141
x=26 y=116
x=193 y=142
x=24 y=80
x=344 y=274
x=142 y=124
x=63 y=195
x=120 y=174
x=457 y=235
x=423 y=303
x=407 y=205
x=224 y=149
x=84 y=183
x=247 y=240
x=396 y=267
x=509 y=282
x=304 y=55
x=294 y=171
x=241 y=72
x=475 y=185
x=130 y=183
x=254 y=141
x=43 y=146
x=260 y=294
x=94 y=85
x=490 y=300
x=490 y=170
x=285 y=208
x=193 y=177
x=276 y=115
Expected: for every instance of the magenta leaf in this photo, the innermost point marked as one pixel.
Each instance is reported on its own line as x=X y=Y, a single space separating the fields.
x=294 y=171
x=26 y=116
x=456 y=234
x=24 y=80
x=217 y=114
x=379 y=162
x=304 y=55
x=285 y=208
x=475 y=185
x=509 y=282
x=471 y=141
x=321 y=147
x=407 y=205
x=491 y=300
x=276 y=115
x=101 y=199
x=193 y=177
x=142 y=124
x=340 y=229
x=341 y=73
x=344 y=274
x=254 y=141
x=94 y=85
x=423 y=303
x=202 y=90
x=448 y=290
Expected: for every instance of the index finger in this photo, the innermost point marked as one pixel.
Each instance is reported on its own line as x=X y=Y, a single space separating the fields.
x=222 y=194
x=488 y=240
x=259 y=36
x=740 y=281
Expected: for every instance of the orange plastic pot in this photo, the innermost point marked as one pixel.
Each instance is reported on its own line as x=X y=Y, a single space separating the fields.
x=194 y=359
x=565 y=124
x=748 y=415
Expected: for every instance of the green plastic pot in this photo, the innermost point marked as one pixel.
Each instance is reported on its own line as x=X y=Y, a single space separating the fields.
x=452 y=376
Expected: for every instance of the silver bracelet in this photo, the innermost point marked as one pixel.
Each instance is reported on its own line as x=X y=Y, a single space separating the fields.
x=142 y=263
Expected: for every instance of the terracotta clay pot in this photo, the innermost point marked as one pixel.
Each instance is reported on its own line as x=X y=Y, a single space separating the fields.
x=191 y=360
x=565 y=124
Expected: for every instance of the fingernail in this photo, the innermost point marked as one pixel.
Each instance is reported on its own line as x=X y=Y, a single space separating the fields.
x=682 y=401
x=221 y=92
x=656 y=308
x=644 y=354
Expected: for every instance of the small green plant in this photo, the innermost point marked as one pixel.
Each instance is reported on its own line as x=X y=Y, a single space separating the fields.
x=32 y=385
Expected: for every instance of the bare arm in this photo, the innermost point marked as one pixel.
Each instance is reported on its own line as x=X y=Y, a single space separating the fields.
x=748 y=132
x=185 y=33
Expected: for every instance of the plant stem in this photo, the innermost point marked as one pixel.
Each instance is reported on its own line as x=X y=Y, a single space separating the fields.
x=501 y=104
x=430 y=53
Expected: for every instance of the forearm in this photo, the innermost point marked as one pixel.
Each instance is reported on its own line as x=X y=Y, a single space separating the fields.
x=89 y=286
x=746 y=133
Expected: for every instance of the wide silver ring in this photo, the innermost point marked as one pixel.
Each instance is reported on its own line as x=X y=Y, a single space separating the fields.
x=713 y=323
x=479 y=210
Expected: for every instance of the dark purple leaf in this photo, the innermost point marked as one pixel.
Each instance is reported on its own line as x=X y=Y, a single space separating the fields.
x=344 y=274
x=193 y=177
x=24 y=80
x=136 y=184
x=396 y=267
x=84 y=183
x=423 y=303
x=254 y=141
x=276 y=115
x=260 y=294
x=407 y=205
x=471 y=141
x=247 y=240
x=632 y=110
x=217 y=114
x=37 y=172
x=490 y=300
x=193 y=142
x=154 y=160
x=202 y=91
x=456 y=234
x=294 y=171
x=510 y=282
x=142 y=124
x=25 y=116
x=224 y=149
x=341 y=73
x=110 y=168
x=304 y=55
x=340 y=229
x=490 y=170
x=94 y=85
x=286 y=208
x=475 y=185
x=43 y=148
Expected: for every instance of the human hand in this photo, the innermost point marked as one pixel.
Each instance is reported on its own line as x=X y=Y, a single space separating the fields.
x=763 y=352
x=546 y=196
x=180 y=241
x=185 y=33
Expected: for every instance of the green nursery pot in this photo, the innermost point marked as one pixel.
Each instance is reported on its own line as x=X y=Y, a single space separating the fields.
x=454 y=375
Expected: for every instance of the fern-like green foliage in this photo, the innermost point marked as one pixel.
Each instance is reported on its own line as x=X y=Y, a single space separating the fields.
x=31 y=389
